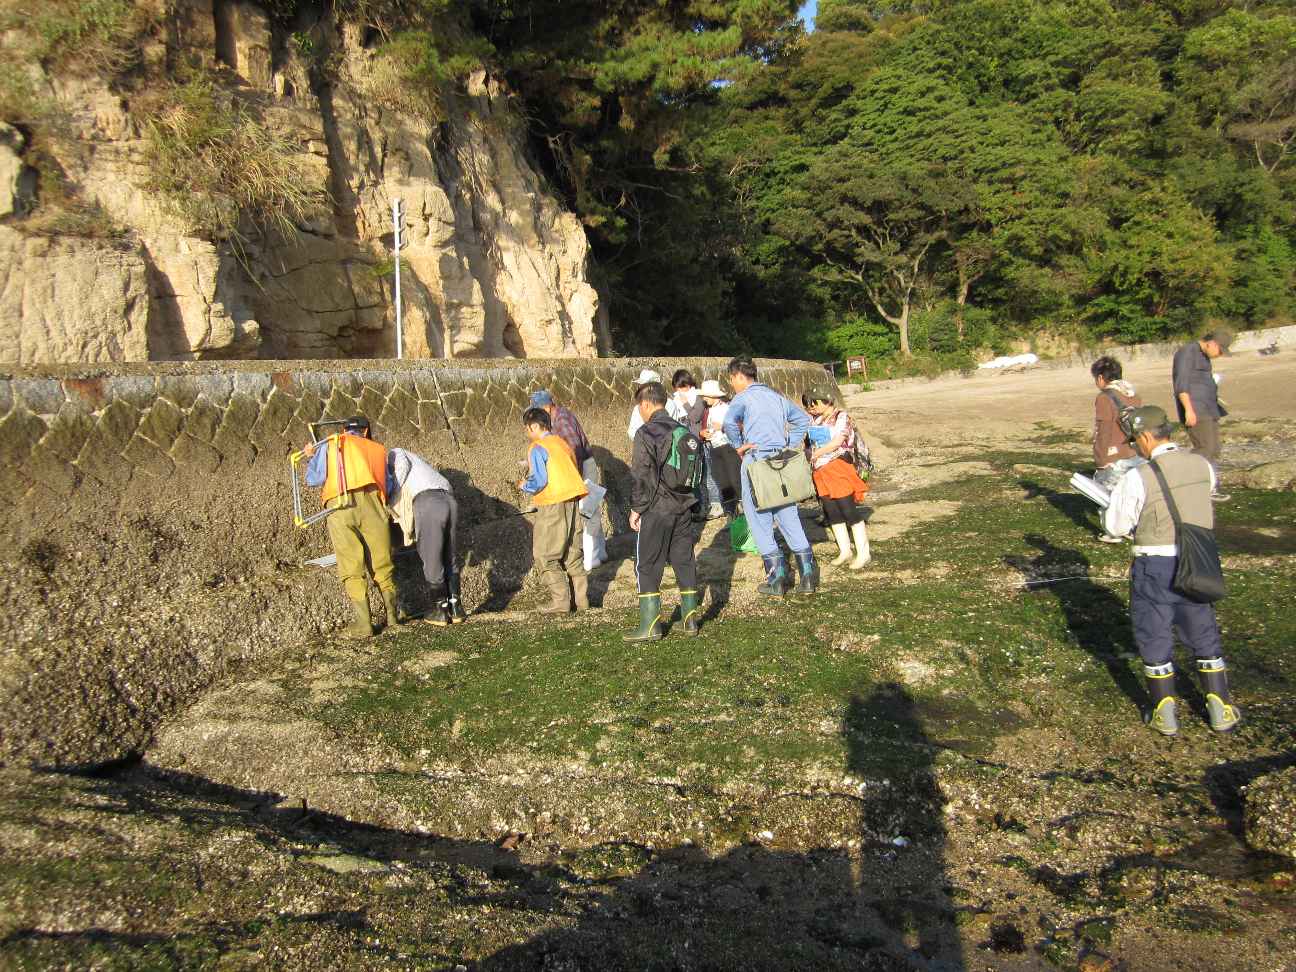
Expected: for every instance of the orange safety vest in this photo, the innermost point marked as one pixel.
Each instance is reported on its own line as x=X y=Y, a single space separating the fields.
x=354 y=462
x=565 y=481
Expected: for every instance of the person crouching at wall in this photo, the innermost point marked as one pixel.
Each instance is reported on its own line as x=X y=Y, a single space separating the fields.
x=423 y=505
x=662 y=513
x=556 y=487
x=840 y=489
x=355 y=488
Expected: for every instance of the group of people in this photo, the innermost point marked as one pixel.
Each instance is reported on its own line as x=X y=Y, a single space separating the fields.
x=1155 y=487
x=695 y=449
x=692 y=456
x=367 y=486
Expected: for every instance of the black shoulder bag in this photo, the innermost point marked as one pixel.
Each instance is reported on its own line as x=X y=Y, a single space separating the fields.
x=1198 y=575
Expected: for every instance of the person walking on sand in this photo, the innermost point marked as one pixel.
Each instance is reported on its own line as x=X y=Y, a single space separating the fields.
x=1172 y=484
x=1196 y=392
x=665 y=469
x=1113 y=456
x=764 y=423
x=556 y=487
x=832 y=457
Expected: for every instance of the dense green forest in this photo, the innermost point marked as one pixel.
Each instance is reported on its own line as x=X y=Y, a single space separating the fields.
x=925 y=176
x=935 y=176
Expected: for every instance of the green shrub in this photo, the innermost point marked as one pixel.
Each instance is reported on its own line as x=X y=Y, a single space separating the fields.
x=218 y=165
x=921 y=364
x=84 y=36
x=413 y=71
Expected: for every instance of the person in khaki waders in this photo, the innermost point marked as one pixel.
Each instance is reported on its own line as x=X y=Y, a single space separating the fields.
x=556 y=487
x=355 y=488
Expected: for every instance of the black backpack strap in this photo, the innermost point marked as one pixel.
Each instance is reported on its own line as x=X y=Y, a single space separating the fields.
x=1169 y=499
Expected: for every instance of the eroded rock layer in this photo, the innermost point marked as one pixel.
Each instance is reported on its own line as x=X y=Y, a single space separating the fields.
x=492 y=265
x=151 y=542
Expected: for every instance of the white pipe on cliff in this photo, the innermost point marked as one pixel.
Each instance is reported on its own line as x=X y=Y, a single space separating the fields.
x=397 y=213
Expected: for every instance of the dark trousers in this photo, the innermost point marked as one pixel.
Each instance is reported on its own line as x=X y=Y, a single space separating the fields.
x=665 y=538
x=436 y=522
x=1205 y=439
x=726 y=467
x=1157 y=612
x=844 y=510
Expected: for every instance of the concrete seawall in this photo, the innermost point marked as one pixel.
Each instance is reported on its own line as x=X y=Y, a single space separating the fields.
x=150 y=544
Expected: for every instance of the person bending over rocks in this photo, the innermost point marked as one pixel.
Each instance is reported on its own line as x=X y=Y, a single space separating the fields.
x=351 y=469
x=421 y=502
x=556 y=487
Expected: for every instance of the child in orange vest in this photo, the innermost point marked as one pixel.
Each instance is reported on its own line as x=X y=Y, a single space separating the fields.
x=555 y=486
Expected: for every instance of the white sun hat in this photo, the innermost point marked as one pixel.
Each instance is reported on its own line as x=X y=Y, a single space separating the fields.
x=711 y=389
x=646 y=376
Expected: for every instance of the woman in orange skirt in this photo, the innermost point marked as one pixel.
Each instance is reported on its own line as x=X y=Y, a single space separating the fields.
x=840 y=489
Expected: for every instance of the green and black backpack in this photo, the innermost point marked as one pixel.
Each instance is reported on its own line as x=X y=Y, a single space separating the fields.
x=682 y=470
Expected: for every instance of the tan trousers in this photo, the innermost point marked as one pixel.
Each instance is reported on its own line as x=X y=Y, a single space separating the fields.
x=362 y=542
x=556 y=542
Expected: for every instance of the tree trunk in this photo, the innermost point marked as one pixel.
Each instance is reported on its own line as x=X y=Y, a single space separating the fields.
x=903 y=324
x=964 y=286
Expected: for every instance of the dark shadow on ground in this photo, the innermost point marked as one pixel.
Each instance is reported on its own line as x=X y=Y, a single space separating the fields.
x=1097 y=619
x=1238 y=539
x=488 y=526
x=615 y=476
x=1227 y=783
x=758 y=908
x=1073 y=506
x=182 y=929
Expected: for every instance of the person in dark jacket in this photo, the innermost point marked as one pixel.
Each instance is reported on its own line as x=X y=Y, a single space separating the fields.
x=691 y=409
x=662 y=517
x=1196 y=393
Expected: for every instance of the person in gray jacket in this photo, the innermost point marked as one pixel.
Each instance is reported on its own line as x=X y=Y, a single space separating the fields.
x=420 y=500
x=1157 y=611
x=1196 y=395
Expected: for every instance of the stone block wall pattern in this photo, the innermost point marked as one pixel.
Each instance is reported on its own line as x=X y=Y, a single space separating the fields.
x=150 y=544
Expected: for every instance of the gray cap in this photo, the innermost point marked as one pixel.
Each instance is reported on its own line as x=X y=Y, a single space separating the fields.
x=1222 y=335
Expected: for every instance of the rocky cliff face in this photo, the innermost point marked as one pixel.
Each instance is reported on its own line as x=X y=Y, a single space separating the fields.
x=491 y=264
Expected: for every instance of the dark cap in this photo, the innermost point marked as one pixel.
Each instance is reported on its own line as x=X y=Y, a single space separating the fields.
x=1223 y=336
x=1146 y=418
x=356 y=424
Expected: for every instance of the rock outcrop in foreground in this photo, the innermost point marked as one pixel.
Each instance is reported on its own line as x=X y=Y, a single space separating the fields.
x=492 y=265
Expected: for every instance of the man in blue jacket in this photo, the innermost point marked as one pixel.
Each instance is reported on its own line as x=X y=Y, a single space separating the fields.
x=762 y=423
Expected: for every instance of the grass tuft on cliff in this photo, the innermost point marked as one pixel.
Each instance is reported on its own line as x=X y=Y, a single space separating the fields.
x=92 y=37
x=219 y=165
